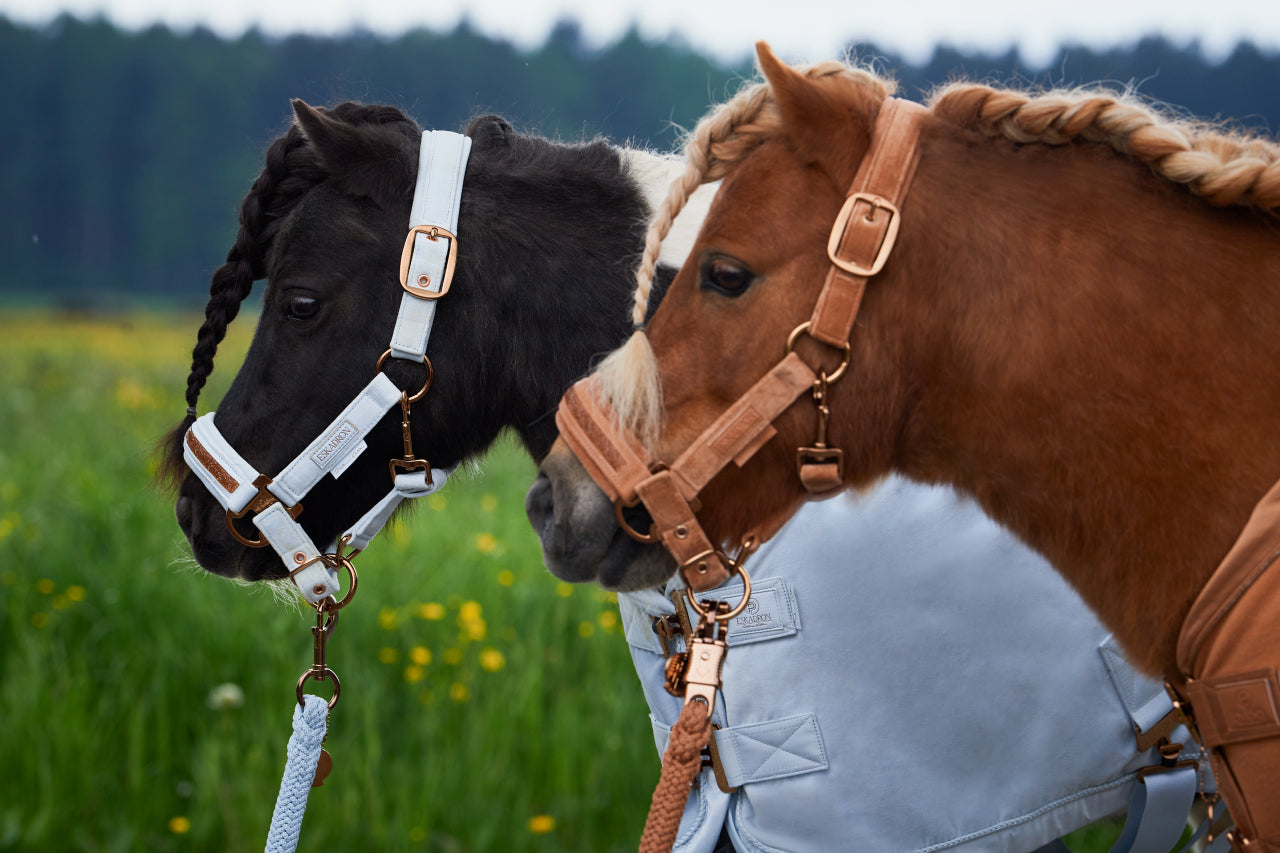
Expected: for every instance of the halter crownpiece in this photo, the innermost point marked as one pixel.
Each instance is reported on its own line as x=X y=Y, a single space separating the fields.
x=426 y=273
x=859 y=246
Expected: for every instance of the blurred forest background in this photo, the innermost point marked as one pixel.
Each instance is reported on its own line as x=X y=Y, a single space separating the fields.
x=123 y=154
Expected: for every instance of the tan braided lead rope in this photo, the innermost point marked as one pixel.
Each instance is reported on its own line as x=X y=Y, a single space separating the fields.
x=680 y=765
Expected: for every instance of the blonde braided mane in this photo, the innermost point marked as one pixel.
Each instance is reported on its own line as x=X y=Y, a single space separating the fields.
x=1223 y=166
x=1226 y=168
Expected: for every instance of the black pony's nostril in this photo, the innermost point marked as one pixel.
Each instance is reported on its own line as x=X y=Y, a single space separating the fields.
x=183 y=511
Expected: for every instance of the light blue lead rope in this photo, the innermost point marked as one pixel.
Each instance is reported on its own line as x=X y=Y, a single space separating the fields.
x=309 y=726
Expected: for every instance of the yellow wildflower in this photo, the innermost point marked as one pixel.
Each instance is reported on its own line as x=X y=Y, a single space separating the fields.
x=387 y=619
x=44 y=586
x=486 y=543
x=413 y=674
x=469 y=611
x=506 y=577
x=179 y=825
x=608 y=620
x=564 y=590
x=75 y=593
x=420 y=655
x=492 y=660
x=541 y=824
x=586 y=629
x=386 y=654
x=8 y=524
x=459 y=692
x=431 y=610
x=452 y=656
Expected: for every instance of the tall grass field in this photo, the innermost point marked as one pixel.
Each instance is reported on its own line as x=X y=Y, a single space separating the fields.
x=145 y=705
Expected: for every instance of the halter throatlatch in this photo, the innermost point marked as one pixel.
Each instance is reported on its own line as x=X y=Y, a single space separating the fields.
x=426 y=272
x=861 y=240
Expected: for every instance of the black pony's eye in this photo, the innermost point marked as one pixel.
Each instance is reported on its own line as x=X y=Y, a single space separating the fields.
x=727 y=276
x=302 y=307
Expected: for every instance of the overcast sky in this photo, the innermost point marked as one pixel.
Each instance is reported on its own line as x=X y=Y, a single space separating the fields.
x=800 y=30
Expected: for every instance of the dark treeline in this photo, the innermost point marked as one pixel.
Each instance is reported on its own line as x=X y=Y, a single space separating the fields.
x=123 y=154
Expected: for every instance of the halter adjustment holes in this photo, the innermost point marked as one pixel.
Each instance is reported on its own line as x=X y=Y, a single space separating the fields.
x=726 y=276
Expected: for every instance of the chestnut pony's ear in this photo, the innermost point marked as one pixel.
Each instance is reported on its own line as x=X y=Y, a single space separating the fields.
x=828 y=118
x=371 y=160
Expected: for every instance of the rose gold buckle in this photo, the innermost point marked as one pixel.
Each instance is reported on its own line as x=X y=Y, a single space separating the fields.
x=1169 y=760
x=1160 y=730
x=420 y=287
x=258 y=503
x=886 y=244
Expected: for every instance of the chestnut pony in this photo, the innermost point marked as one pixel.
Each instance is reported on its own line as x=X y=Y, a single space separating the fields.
x=1077 y=326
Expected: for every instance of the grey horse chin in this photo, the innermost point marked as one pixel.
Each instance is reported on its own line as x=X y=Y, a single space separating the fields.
x=581 y=540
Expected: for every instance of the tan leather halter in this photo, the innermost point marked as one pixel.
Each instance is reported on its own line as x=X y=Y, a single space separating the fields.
x=861 y=239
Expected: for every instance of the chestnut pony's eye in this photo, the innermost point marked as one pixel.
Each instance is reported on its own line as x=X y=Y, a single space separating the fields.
x=726 y=276
x=302 y=307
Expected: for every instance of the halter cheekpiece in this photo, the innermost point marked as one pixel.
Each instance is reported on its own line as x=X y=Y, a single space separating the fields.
x=861 y=241
x=426 y=272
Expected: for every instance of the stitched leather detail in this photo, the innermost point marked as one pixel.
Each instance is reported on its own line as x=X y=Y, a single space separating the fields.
x=1235 y=709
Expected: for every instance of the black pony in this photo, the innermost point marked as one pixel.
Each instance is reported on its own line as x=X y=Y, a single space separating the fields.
x=549 y=235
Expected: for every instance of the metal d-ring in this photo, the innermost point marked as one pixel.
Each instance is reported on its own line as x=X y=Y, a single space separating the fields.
x=803 y=329
x=735 y=567
x=335 y=561
x=325 y=674
x=646 y=538
x=431 y=375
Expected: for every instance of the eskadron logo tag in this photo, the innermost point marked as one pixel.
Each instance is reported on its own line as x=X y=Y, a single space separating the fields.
x=770 y=613
x=751 y=617
x=333 y=443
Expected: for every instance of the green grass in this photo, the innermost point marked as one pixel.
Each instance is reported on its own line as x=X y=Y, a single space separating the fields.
x=477 y=692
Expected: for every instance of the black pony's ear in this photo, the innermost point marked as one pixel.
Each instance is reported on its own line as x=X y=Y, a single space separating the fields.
x=488 y=132
x=372 y=160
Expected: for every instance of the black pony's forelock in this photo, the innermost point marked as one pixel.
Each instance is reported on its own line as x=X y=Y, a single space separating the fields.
x=292 y=169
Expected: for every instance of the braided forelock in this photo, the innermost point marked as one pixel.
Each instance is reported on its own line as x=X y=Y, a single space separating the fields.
x=290 y=172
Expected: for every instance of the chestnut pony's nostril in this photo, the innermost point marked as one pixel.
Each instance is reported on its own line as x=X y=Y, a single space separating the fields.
x=538 y=502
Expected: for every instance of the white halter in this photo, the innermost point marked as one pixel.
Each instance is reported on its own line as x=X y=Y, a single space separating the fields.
x=426 y=270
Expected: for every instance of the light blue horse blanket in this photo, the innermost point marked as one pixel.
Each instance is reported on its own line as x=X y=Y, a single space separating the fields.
x=906 y=677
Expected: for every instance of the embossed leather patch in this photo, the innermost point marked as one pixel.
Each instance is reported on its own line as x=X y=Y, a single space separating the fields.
x=1236 y=708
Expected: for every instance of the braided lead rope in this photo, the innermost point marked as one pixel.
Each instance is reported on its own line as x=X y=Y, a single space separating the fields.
x=310 y=722
x=680 y=764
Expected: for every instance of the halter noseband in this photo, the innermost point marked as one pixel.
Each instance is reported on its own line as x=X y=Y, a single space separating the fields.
x=426 y=271
x=861 y=240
